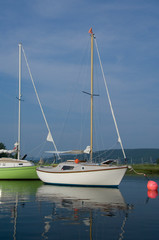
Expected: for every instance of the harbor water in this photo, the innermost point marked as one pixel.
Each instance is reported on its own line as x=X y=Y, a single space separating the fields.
x=33 y=210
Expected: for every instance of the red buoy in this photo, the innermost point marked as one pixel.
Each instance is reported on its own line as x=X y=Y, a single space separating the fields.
x=77 y=160
x=152 y=193
x=151 y=185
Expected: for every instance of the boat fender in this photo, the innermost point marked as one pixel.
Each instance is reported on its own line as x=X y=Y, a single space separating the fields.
x=151 y=185
x=77 y=160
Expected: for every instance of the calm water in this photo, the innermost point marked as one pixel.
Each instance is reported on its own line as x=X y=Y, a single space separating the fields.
x=32 y=210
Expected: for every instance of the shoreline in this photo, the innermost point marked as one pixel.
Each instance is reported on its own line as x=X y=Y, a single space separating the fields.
x=149 y=169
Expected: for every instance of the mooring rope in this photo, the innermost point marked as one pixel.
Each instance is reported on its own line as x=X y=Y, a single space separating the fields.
x=138 y=173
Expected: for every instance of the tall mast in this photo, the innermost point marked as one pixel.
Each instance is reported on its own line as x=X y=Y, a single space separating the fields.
x=91 y=124
x=19 y=113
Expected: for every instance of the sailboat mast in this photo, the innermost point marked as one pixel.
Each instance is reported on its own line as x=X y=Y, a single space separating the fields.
x=19 y=113
x=91 y=124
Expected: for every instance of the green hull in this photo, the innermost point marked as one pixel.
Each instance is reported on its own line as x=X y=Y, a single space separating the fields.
x=19 y=173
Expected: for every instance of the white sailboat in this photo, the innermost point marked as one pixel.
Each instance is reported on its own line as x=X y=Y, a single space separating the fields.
x=79 y=173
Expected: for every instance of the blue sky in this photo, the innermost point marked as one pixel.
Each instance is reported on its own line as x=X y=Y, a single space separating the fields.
x=55 y=38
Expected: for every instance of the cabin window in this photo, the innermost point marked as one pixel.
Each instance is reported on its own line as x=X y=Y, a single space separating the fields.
x=67 y=167
x=82 y=168
x=20 y=164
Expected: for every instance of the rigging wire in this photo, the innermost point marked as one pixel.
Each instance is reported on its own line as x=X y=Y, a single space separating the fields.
x=50 y=135
x=112 y=111
x=41 y=146
x=75 y=96
x=104 y=152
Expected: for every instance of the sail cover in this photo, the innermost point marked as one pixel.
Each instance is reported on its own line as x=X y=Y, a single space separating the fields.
x=6 y=151
x=74 y=152
x=10 y=151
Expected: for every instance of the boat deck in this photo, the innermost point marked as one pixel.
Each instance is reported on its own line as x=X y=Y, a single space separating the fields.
x=11 y=160
x=71 y=166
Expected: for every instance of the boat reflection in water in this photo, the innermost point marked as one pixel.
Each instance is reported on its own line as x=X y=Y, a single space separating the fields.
x=81 y=197
x=82 y=204
x=29 y=209
x=14 y=198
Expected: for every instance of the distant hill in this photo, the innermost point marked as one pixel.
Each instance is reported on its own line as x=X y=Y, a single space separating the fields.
x=138 y=155
x=142 y=155
x=134 y=156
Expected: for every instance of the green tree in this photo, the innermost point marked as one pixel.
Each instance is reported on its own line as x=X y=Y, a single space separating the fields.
x=2 y=146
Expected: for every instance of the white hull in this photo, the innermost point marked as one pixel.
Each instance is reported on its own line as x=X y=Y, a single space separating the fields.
x=98 y=176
